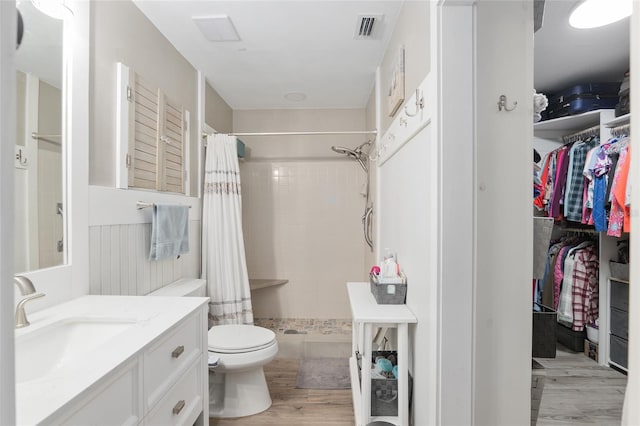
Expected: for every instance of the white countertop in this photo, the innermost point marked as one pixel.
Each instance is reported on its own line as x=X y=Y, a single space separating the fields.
x=364 y=307
x=37 y=400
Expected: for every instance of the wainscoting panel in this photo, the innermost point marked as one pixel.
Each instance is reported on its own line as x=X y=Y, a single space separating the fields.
x=120 y=265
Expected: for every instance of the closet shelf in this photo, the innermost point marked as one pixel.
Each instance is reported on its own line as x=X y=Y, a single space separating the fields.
x=570 y=123
x=623 y=119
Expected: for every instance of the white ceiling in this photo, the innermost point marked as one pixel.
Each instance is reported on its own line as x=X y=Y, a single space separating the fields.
x=305 y=46
x=308 y=46
x=566 y=56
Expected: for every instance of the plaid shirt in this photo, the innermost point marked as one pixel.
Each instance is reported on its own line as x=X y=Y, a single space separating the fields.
x=573 y=201
x=585 y=287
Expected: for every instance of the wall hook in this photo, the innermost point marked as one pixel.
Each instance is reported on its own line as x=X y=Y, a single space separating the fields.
x=419 y=104
x=502 y=103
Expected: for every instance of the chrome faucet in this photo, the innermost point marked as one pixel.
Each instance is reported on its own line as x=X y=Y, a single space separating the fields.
x=26 y=289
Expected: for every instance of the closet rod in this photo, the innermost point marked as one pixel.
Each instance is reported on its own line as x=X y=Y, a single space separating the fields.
x=623 y=130
x=337 y=132
x=591 y=131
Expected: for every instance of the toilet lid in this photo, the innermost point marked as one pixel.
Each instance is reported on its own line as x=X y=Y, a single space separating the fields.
x=237 y=338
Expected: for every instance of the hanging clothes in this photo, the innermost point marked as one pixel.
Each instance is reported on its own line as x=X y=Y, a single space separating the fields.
x=224 y=264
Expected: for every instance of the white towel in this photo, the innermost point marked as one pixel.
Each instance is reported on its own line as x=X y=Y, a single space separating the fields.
x=169 y=231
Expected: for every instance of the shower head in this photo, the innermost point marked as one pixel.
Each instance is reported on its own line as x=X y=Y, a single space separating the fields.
x=346 y=151
x=355 y=154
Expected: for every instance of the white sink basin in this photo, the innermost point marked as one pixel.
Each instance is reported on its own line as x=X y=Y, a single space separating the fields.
x=55 y=346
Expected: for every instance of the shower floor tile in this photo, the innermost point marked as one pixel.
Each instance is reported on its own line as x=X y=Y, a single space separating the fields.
x=306 y=325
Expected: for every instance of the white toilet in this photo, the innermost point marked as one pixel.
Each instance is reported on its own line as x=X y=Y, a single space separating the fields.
x=237 y=387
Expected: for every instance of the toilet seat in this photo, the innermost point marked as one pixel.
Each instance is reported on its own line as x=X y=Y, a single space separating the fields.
x=239 y=338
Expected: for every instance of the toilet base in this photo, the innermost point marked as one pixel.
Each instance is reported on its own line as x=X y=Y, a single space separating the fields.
x=245 y=393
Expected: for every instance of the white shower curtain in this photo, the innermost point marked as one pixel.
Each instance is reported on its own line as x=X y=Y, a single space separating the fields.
x=224 y=264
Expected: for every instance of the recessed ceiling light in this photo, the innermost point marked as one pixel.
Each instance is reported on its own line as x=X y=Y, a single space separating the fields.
x=295 y=96
x=597 y=13
x=217 y=28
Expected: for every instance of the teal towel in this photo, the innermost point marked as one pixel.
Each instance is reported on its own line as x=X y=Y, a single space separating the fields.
x=169 y=231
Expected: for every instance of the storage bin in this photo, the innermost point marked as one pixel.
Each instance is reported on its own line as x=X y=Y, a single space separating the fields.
x=572 y=340
x=543 y=343
x=618 y=350
x=384 y=392
x=620 y=295
x=619 y=270
x=392 y=293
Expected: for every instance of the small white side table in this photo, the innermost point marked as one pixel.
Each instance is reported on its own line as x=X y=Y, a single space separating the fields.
x=366 y=314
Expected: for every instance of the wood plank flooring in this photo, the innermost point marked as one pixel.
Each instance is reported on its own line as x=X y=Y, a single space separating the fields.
x=578 y=391
x=297 y=407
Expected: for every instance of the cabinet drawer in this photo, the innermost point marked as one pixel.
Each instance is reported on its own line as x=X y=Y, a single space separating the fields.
x=166 y=360
x=183 y=403
x=115 y=402
x=618 y=350
x=619 y=295
x=620 y=323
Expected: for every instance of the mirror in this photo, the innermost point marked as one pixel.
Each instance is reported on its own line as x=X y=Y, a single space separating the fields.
x=39 y=192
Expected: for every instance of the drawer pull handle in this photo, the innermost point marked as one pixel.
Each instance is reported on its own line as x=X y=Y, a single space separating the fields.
x=177 y=351
x=178 y=407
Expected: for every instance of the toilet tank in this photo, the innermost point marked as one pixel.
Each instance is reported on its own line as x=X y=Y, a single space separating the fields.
x=194 y=287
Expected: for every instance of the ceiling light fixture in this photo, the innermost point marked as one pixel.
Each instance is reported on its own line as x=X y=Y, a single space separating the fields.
x=56 y=9
x=597 y=13
x=295 y=96
x=217 y=28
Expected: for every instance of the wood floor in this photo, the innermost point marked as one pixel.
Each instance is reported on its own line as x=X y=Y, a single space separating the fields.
x=297 y=407
x=577 y=391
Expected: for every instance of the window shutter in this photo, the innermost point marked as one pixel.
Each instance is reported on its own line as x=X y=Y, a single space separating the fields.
x=143 y=140
x=172 y=149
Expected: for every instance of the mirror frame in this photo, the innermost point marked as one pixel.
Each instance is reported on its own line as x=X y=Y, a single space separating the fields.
x=71 y=279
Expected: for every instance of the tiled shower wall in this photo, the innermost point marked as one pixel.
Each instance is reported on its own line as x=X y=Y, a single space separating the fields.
x=302 y=222
x=120 y=265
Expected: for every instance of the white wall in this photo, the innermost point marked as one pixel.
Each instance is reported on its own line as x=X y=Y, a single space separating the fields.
x=7 y=134
x=502 y=308
x=121 y=33
x=443 y=209
x=631 y=412
x=302 y=209
x=119 y=241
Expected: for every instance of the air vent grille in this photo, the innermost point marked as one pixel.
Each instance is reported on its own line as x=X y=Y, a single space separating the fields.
x=367 y=26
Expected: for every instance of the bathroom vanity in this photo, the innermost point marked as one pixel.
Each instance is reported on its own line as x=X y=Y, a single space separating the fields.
x=114 y=360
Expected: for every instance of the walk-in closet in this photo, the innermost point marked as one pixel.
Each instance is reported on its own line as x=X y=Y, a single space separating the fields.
x=581 y=219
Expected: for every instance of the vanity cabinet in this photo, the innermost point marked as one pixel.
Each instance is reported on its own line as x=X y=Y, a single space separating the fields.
x=115 y=402
x=164 y=382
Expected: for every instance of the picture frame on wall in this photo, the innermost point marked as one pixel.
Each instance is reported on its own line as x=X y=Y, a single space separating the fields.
x=396 y=86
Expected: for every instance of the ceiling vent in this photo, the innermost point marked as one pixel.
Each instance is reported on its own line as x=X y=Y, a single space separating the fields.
x=217 y=28
x=367 y=27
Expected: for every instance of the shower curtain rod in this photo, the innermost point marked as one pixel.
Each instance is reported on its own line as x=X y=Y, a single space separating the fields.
x=337 y=132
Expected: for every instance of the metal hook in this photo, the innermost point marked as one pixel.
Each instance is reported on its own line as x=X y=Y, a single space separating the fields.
x=502 y=103
x=419 y=104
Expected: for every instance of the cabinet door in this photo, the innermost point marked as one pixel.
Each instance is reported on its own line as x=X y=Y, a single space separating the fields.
x=115 y=402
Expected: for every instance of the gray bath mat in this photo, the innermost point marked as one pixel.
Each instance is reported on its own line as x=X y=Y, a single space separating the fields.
x=323 y=373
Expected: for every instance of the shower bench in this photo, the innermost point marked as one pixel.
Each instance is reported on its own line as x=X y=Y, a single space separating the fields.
x=258 y=283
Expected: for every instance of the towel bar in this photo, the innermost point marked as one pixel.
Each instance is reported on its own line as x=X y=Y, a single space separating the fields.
x=143 y=205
